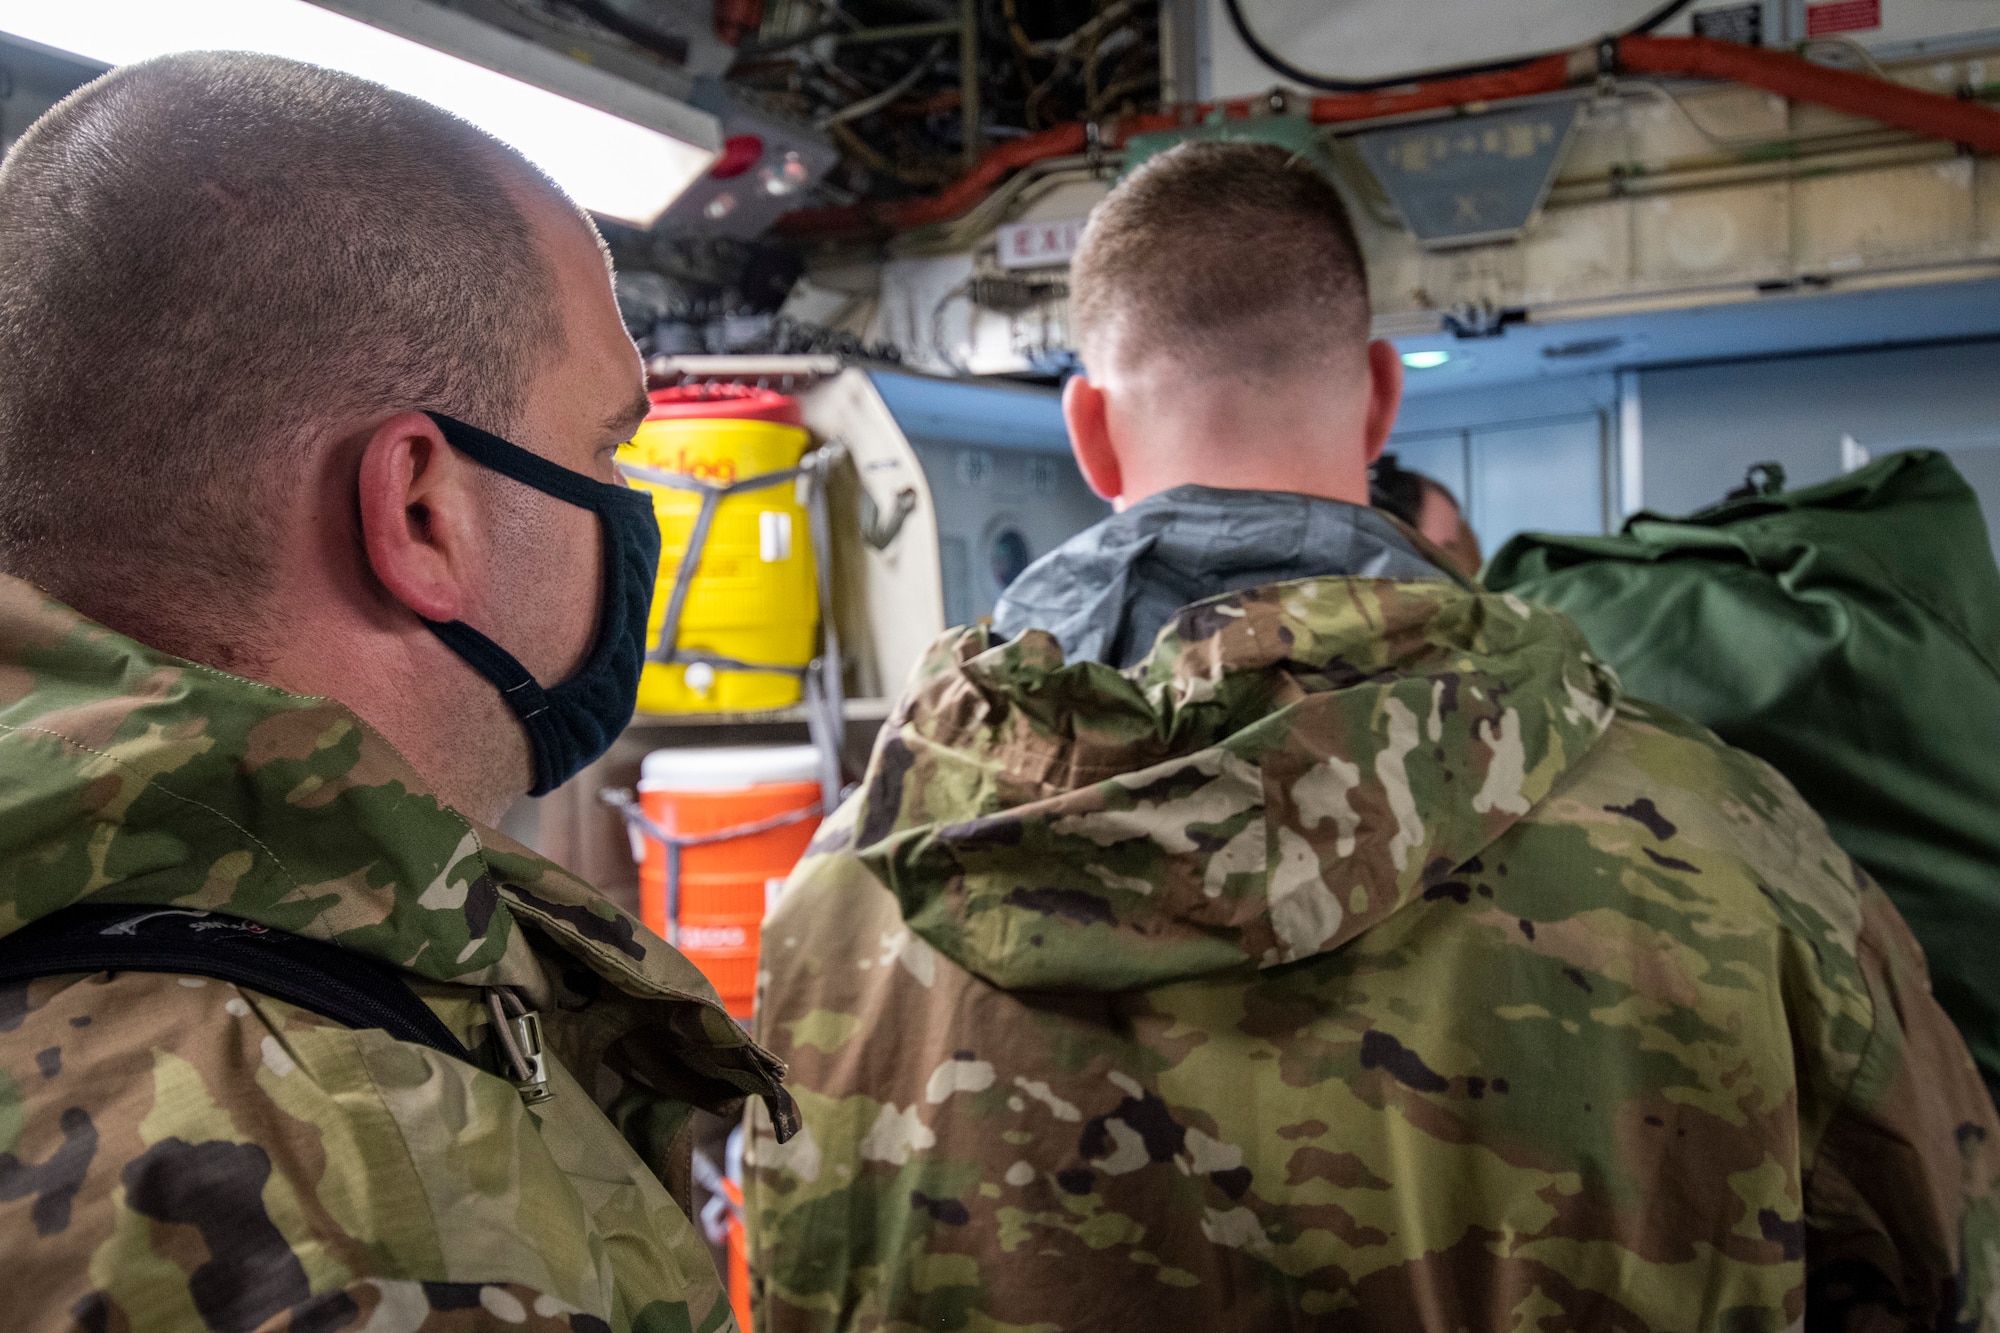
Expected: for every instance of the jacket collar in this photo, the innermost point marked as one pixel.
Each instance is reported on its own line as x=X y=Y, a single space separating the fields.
x=1106 y=593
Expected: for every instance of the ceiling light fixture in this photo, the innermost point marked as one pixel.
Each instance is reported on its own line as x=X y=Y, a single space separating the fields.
x=1425 y=360
x=619 y=149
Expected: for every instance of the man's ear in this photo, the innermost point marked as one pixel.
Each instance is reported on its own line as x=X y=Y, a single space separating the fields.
x=419 y=517
x=1087 y=415
x=1385 y=394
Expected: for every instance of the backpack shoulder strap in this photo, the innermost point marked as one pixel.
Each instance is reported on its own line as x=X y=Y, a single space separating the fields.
x=332 y=982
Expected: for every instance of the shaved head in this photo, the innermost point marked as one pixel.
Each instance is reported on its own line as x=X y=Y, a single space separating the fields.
x=209 y=261
x=1226 y=258
x=1220 y=301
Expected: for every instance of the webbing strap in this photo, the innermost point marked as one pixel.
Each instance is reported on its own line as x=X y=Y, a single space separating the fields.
x=332 y=982
x=675 y=843
x=712 y=496
x=821 y=678
x=826 y=710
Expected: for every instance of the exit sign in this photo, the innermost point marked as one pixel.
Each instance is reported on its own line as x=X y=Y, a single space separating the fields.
x=1843 y=16
x=1038 y=244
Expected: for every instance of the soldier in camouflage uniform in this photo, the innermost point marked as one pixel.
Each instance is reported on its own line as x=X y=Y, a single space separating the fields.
x=179 y=1153
x=187 y=1154
x=1357 y=957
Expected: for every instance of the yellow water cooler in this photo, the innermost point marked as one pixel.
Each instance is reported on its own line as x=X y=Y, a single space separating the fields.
x=752 y=598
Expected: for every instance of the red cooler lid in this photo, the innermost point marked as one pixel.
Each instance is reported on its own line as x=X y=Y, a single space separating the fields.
x=685 y=402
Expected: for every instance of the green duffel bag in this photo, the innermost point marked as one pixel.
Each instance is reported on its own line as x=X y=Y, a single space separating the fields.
x=1849 y=634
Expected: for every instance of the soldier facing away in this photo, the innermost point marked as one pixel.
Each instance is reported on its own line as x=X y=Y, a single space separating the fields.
x=269 y=566
x=1260 y=928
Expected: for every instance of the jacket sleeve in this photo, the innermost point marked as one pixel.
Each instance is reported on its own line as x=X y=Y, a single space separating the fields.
x=1901 y=1214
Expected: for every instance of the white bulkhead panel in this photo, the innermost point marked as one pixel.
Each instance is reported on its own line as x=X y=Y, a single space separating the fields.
x=1368 y=40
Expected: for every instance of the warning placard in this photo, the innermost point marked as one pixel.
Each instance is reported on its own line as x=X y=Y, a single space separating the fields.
x=1742 y=24
x=1038 y=244
x=1843 y=16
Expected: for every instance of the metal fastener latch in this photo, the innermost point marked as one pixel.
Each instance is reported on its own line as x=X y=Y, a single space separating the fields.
x=520 y=1035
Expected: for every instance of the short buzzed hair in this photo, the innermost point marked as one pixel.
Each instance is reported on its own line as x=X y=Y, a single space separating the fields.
x=206 y=259
x=1233 y=257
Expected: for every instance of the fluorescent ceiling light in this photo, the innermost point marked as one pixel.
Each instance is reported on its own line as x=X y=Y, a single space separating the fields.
x=1425 y=360
x=609 y=163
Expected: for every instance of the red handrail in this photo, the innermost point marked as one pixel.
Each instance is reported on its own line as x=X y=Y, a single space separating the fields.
x=1930 y=114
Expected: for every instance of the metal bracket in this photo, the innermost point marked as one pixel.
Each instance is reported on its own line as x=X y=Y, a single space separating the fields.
x=1482 y=319
x=879 y=533
x=1760 y=482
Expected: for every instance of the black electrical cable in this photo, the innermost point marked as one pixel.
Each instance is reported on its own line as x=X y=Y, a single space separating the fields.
x=1277 y=64
x=668 y=46
x=753 y=49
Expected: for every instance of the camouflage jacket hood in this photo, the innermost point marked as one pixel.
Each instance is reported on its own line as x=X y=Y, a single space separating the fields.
x=1163 y=834
x=129 y=776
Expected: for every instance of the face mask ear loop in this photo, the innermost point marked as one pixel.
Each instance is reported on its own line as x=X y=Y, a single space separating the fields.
x=520 y=691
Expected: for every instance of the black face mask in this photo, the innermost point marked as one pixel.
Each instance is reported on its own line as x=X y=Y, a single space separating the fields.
x=570 y=724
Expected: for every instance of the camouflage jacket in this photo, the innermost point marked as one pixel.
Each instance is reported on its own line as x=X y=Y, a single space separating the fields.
x=182 y=1154
x=1359 y=960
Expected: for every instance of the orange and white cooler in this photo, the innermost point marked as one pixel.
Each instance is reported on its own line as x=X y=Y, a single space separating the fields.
x=725 y=884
